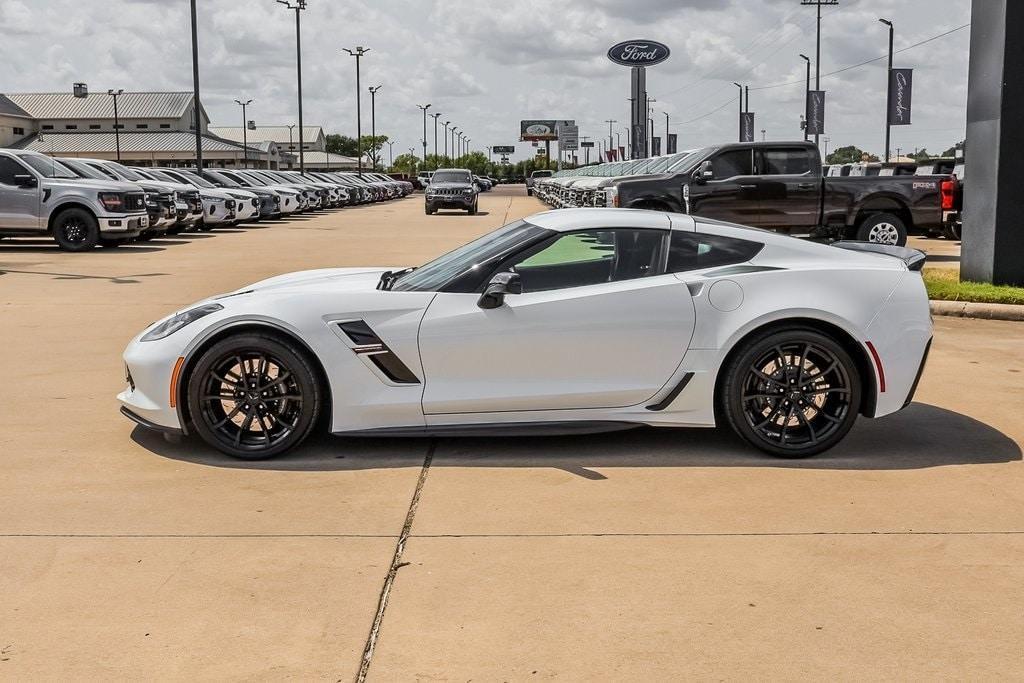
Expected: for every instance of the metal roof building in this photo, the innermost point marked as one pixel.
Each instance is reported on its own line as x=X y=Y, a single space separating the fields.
x=287 y=138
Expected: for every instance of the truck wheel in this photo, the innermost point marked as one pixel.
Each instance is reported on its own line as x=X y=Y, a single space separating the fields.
x=75 y=230
x=883 y=228
x=472 y=210
x=951 y=231
x=529 y=192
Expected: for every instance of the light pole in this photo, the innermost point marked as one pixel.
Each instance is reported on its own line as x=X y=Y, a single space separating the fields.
x=807 y=95
x=610 y=123
x=741 y=109
x=298 y=6
x=826 y=148
x=455 y=132
x=195 y=96
x=245 y=132
x=424 y=108
x=817 y=45
x=666 y=131
x=436 y=116
x=888 y=91
x=373 y=120
x=117 y=121
x=412 y=153
x=762 y=134
x=391 y=153
x=358 y=54
x=445 y=124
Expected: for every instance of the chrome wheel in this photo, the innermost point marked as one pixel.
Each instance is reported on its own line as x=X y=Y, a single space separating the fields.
x=796 y=395
x=884 y=233
x=74 y=231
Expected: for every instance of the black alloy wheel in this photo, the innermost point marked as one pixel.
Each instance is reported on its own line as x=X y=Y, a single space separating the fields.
x=76 y=230
x=792 y=393
x=253 y=396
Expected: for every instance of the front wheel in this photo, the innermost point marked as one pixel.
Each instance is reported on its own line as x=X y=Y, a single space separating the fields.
x=472 y=210
x=791 y=393
x=76 y=230
x=529 y=192
x=253 y=396
x=883 y=228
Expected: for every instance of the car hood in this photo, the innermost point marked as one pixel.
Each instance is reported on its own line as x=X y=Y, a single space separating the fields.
x=450 y=186
x=90 y=184
x=174 y=187
x=340 y=279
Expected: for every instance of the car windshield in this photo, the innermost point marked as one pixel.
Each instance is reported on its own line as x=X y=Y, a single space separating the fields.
x=450 y=177
x=48 y=167
x=193 y=179
x=492 y=246
x=689 y=160
x=84 y=170
x=125 y=171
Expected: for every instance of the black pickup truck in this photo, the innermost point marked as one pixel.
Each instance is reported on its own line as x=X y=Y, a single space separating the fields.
x=779 y=186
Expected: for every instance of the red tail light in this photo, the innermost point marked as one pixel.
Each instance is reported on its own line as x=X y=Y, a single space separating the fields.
x=947 y=188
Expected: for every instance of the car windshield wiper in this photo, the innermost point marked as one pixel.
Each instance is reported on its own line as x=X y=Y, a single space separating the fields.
x=389 y=277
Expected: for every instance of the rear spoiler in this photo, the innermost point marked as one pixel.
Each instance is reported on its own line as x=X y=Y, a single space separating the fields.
x=912 y=257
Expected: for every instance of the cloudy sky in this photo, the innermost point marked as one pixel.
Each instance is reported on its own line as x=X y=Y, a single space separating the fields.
x=486 y=65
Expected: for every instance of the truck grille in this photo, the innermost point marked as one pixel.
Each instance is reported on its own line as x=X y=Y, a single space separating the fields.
x=447 y=191
x=135 y=201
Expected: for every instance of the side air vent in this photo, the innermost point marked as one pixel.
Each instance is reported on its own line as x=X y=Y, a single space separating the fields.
x=368 y=344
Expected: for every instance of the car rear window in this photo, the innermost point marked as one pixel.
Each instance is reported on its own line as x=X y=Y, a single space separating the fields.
x=698 y=251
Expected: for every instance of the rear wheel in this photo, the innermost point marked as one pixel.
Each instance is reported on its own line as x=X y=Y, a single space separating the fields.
x=791 y=393
x=254 y=396
x=951 y=231
x=883 y=228
x=76 y=230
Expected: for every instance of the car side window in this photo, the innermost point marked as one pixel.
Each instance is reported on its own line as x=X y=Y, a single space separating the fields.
x=785 y=161
x=699 y=251
x=732 y=163
x=10 y=168
x=591 y=257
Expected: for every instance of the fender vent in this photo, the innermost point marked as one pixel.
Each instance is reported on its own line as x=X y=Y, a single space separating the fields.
x=367 y=343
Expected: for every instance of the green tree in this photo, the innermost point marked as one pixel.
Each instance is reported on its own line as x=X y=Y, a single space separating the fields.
x=951 y=152
x=372 y=147
x=920 y=155
x=406 y=163
x=341 y=144
x=845 y=155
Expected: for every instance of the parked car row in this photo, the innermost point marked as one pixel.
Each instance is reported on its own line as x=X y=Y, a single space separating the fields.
x=772 y=185
x=87 y=202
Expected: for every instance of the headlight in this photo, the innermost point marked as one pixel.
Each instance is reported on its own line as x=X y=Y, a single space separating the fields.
x=611 y=196
x=180 y=320
x=112 y=201
x=216 y=200
x=468 y=190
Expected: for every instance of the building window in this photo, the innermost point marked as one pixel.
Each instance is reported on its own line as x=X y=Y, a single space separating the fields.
x=165 y=125
x=71 y=126
x=19 y=131
x=142 y=125
x=118 y=126
x=47 y=127
x=94 y=126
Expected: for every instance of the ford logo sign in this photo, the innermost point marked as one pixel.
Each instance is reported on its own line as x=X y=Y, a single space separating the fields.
x=639 y=53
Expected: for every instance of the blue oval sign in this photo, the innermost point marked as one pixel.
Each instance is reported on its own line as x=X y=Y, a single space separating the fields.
x=639 y=53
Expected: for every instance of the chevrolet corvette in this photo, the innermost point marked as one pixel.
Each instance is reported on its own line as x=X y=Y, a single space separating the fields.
x=581 y=320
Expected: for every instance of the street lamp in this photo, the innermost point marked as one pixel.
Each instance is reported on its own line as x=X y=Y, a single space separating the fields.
x=424 y=108
x=298 y=6
x=373 y=120
x=391 y=152
x=666 y=131
x=196 y=106
x=455 y=132
x=245 y=132
x=445 y=124
x=436 y=116
x=412 y=155
x=358 y=53
x=807 y=95
x=888 y=90
x=741 y=109
x=117 y=122
x=762 y=134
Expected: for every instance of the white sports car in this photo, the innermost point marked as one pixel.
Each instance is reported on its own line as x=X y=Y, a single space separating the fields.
x=580 y=320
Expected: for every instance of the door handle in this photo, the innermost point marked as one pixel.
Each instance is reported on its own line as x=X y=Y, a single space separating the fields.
x=805 y=186
x=747 y=187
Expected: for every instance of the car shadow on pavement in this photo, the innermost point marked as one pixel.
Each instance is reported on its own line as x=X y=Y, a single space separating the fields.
x=33 y=246
x=920 y=436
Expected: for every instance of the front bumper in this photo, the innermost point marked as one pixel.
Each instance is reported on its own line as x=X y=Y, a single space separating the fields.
x=451 y=201
x=132 y=224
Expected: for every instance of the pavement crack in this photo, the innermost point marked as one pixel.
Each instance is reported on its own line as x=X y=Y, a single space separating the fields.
x=396 y=564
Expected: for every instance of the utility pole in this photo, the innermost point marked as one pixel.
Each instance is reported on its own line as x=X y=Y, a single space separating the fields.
x=391 y=153
x=436 y=116
x=195 y=96
x=807 y=94
x=424 y=108
x=740 y=124
x=245 y=131
x=117 y=124
x=445 y=124
x=373 y=120
x=298 y=7
x=666 y=131
x=610 y=122
x=358 y=54
x=817 y=45
x=888 y=91
x=454 y=134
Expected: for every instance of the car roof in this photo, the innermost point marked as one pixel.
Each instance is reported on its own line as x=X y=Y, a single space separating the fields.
x=564 y=220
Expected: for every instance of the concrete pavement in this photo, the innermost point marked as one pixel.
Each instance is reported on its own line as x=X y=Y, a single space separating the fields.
x=649 y=554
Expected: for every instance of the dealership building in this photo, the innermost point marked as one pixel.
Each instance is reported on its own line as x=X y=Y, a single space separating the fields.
x=286 y=138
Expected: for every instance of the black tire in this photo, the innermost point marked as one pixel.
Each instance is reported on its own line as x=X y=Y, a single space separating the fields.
x=76 y=230
x=430 y=210
x=800 y=376
x=883 y=228
x=472 y=210
x=204 y=226
x=529 y=192
x=223 y=410
x=951 y=231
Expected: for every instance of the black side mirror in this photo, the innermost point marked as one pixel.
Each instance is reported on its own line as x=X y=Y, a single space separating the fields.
x=26 y=180
x=703 y=173
x=500 y=285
